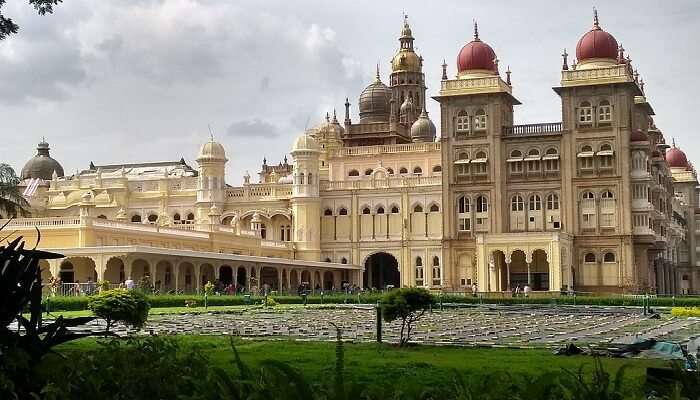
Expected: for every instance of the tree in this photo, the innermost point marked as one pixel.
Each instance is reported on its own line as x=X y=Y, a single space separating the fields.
x=8 y=27
x=408 y=305
x=128 y=306
x=12 y=203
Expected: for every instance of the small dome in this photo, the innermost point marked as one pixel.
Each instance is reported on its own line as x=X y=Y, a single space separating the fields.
x=329 y=129
x=41 y=166
x=638 y=136
x=476 y=56
x=305 y=143
x=375 y=102
x=596 y=43
x=423 y=130
x=675 y=158
x=407 y=60
x=212 y=151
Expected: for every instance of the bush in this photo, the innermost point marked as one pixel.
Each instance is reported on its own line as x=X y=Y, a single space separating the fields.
x=128 y=306
x=408 y=305
x=685 y=312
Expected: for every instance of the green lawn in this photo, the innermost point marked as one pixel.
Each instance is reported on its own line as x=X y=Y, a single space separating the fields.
x=374 y=365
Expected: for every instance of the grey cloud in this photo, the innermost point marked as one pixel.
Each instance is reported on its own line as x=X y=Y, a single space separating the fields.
x=252 y=128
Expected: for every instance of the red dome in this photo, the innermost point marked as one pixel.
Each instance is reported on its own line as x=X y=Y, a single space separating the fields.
x=638 y=136
x=675 y=158
x=596 y=43
x=476 y=55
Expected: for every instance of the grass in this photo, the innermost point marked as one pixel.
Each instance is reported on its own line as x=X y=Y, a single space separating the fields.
x=374 y=365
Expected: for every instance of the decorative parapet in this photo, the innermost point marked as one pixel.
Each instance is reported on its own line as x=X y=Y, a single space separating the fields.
x=546 y=128
x=260 y=191
x=488 y=84
x=373 y=127
x=619 y=73
x=389 y=182
x=47 y=222
x=390 y=148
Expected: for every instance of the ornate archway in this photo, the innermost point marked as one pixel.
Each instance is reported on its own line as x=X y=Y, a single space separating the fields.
x=381 y=270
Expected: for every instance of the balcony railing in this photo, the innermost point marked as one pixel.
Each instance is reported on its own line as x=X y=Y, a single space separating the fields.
x=547 y=128
x=392 y=182
x=391 y=148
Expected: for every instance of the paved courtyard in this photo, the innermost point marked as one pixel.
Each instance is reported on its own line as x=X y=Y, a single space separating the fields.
x=508 y=326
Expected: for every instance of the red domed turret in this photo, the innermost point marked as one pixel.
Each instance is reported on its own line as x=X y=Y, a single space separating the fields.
x=675 y=157
x=596 y=43
x=477 y=56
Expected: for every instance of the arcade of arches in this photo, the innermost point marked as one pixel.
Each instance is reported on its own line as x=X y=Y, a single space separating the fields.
x=381 y=270
x=172 y=272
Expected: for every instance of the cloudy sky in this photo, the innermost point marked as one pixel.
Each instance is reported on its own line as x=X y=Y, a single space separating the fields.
x=140 y=80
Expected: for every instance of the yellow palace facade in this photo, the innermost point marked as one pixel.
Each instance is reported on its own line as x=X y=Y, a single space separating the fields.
x=597 y=202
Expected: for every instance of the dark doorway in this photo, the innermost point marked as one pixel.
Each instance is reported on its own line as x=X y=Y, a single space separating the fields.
x=241 y=278
x=381 y=270
x=226 y=275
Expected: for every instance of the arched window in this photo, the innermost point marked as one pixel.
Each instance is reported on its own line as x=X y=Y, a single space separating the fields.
x=607 y=195
x=482 y=204
x=327 y=259
x=102 y=216
x=403 y=170
x=479 y=163
x=394 y=210
x=516 y=162
x=533 y=160
x=310 y=179
x=462 y=123
x=327 y=212
x=437 y=168
x=135 y=218
x=263 y=231
x=480 y=120
x=343 y=211
x=176 y=218
x=368 y=171
x=585 y=113
x=190 y=218
x=552 y=202
x=609 y=257
x=301 y=178
x=589 y=258
x=436 y=261
x=419 y=262
x=605 y=153
x=417 y=171
x=380 y=210
x=588 y=196
x=390 y=171
x=434 y=208
x=343 y=260
x=463 y=214
x=152 y=218
x=535 y=203
x=366 y=210
x=516 y=203
x=604 y=112
x=418 y=208
x=551 y=160
x=462 y=163
x=354 y=172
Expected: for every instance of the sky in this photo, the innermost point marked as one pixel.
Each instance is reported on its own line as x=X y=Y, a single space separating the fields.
x=143 y=80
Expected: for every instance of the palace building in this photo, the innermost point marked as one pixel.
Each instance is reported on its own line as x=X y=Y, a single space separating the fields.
x=596 y=202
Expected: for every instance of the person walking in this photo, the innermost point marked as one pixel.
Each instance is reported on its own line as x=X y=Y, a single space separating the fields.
x=517 y=291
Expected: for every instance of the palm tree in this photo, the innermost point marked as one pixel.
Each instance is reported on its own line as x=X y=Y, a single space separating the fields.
x=12 y=203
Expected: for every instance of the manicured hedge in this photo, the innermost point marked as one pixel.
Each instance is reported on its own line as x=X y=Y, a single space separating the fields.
x=160 y=301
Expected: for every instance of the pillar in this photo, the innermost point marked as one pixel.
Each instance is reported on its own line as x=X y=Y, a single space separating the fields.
x=247 y=277
x=197 y=276
x=313 y=281
x=280 y=276
x=152 y=271
x=508 y=275
x=176 y=271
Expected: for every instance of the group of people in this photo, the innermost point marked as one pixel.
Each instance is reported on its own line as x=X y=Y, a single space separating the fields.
x=524 y=291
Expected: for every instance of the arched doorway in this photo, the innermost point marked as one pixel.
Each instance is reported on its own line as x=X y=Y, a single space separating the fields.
x=241 y=278
x=381 y=270
x=226 y=275
x=539 y=269
x=327 y=280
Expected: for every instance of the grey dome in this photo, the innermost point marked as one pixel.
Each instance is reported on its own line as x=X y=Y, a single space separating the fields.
x=375 y=102
x=423 y=130
x=41 y=166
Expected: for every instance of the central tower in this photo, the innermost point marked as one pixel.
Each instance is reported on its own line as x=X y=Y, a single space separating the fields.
x=407 y=80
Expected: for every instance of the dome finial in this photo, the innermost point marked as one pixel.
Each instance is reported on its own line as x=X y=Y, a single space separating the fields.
x=565 y=56
x=328 y=117
x=376 y=76
x=508 y=76
x=596 y=24
x=476 y=31
x=673 y=141
x=444 y=70
x=211 y=133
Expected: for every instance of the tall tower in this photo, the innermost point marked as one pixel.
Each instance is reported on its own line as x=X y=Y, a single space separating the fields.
x=407 y=78
x=305 y=202
x=211 y=185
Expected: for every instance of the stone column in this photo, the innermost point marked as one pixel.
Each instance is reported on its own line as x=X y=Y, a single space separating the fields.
x=280 y=276
x=197 y=276
x=152 y=268
x=508 y=274
x=312 y=273
x=176 y=271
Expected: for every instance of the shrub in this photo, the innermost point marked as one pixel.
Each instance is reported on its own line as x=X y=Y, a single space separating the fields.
x=128 y=306
x=408 y=305
x=685 y=312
